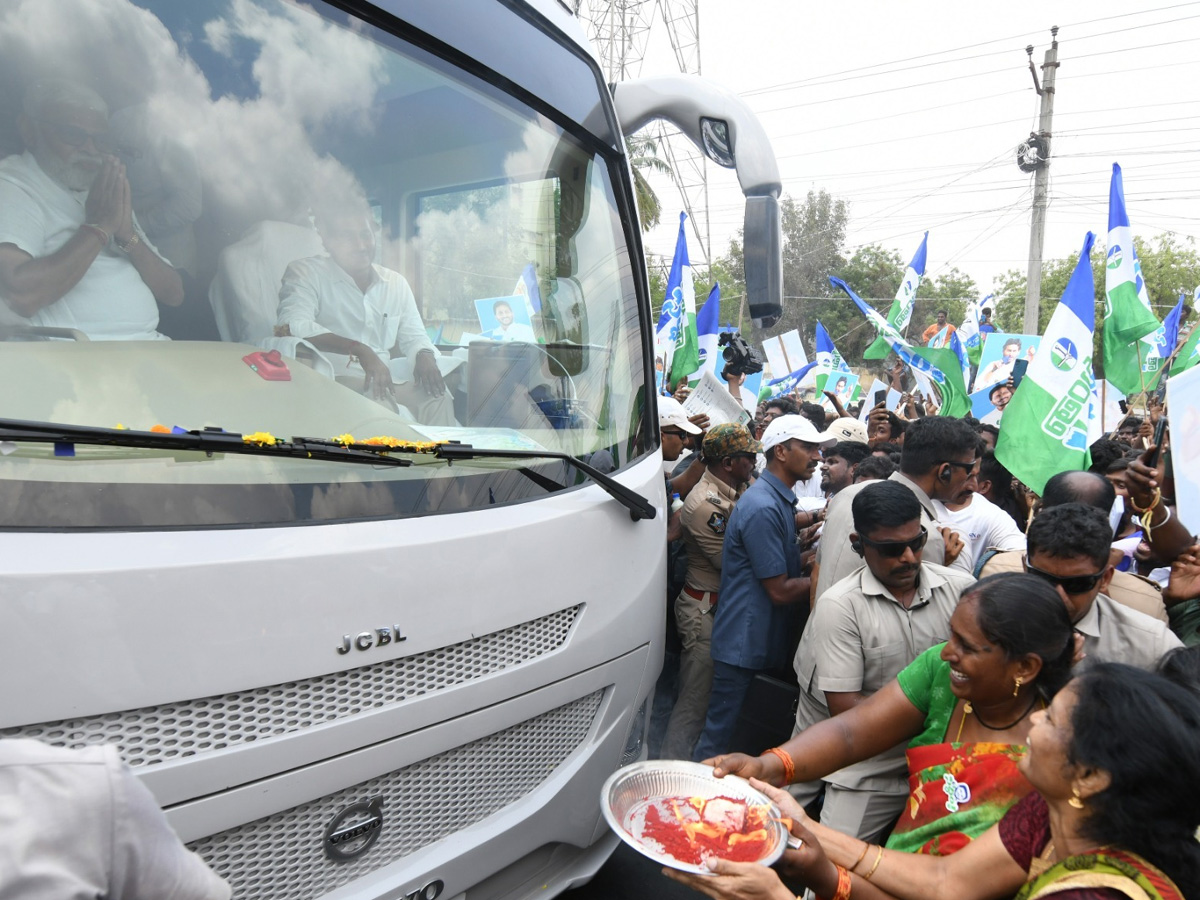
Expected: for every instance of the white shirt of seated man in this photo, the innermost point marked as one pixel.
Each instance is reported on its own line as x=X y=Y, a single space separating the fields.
x=344 y=304
x=71 y=253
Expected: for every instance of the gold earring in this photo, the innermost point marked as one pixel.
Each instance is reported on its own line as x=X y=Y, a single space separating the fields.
x=1017 y=688
x=1076 y=801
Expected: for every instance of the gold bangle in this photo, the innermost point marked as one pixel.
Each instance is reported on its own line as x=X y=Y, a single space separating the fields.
x=96 y=229
x=875 y=866
x=861 y=856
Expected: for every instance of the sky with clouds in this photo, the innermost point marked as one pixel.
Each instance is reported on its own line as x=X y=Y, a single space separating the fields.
x=912 y=113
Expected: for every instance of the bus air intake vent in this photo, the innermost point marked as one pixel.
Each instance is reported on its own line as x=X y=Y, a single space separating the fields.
x=175 y=730
x=282 y=856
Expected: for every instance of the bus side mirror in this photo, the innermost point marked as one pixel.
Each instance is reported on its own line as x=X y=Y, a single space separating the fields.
x=762 y=246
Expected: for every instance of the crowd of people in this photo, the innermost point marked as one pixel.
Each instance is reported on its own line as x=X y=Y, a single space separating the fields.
x=996 y=694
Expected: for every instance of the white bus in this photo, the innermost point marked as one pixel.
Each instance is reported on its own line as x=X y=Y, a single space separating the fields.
x=353 y=654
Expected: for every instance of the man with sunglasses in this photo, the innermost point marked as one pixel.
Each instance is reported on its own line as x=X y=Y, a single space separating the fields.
x=939 y=461
x=1068 y=546
x=71 y=253
x=761 y=581
x=864 y=630
x=1096 y=491
x=729 y=452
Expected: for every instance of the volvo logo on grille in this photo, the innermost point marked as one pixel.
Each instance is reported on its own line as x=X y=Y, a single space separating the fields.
x=354 y=830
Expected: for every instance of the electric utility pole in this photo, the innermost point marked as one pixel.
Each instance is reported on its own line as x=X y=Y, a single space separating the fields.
x=1034 y=155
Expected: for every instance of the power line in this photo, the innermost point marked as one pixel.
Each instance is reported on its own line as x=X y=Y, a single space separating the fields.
x=815 y=81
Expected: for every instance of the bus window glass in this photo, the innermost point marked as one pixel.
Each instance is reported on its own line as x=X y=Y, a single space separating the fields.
x=430 y=258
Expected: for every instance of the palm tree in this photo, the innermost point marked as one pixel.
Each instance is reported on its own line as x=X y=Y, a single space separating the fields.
x=643 y=155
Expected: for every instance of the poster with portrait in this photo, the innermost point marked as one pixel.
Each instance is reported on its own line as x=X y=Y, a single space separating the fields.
x=987 y=404
x=1182 y=390
x=842 y=384
x=505 y=319
x=1000 y=351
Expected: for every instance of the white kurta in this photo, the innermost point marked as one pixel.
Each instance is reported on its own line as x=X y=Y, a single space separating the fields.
x=38 y=215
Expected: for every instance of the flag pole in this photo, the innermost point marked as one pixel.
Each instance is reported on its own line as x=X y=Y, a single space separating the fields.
x=1179 y=345
x=1142 y=375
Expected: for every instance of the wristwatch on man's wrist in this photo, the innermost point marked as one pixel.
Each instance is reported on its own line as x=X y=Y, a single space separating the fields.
x=127 y=245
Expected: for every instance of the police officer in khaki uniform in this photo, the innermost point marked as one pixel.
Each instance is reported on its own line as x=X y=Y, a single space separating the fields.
x=729 y=453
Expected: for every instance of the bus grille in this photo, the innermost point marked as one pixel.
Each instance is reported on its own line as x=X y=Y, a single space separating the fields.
x=175 y=730
x=282 y=856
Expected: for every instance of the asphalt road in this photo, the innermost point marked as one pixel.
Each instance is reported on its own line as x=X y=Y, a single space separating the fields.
x=630 y=876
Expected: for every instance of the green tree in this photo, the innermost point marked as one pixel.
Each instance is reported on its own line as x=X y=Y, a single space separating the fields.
x=730 y=272
x=951 y=291
x=814 y=230
x=643 y=158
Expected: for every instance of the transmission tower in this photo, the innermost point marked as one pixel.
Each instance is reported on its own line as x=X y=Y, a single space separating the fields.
x=620 y=31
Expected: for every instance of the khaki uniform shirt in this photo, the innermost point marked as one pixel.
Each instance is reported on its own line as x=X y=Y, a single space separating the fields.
x=834 y=555
x=1115 y=633
x=858 y=639
x=704 y=516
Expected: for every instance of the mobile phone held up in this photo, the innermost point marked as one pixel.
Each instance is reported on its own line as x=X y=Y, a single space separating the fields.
x=1018 y=372
x=1160 y=433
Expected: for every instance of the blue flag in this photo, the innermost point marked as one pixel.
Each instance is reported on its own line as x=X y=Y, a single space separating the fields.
x=791 y=381
x=708 y=327
x=527 y=287
x=826 y=353
x=676 y=347
x=1171 y=326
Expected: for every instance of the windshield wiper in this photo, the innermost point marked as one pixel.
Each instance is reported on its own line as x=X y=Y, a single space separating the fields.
x=214 y=440
x=208 y=440
x=639 y=507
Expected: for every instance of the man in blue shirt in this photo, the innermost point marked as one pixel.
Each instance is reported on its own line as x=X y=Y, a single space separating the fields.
x=760 y=578
x=985 y=324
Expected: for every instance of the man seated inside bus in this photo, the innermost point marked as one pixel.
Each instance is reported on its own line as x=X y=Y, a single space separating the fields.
x=71 y=252
x=345 y=304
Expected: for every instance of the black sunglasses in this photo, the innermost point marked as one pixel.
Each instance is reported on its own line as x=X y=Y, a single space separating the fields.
x=677 y=432
x=74 y=136
x=895 y=549
x=966 y=467
x=1072 y=584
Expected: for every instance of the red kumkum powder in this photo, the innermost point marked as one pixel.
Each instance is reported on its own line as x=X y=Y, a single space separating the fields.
x=705 y=839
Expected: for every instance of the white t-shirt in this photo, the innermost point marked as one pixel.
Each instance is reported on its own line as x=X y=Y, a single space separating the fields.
x=809 y=492
x=982 y=525
x=78 y=824
x=517 y=331
x=38 y=215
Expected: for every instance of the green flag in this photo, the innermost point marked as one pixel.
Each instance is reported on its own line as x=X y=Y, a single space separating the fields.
x=1127 y=313
x=1051 y=420
x=901 y=309
x=1126 y=369
x=1189 y=353
x=955 y=401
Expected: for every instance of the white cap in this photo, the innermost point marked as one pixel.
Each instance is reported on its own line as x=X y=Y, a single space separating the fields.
x=793 y=427
x=844 y=429
x=671 y=412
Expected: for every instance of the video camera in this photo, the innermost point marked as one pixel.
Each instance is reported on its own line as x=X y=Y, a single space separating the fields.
x=740 y=358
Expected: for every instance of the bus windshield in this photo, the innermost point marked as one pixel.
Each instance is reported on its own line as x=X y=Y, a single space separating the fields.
x=276 y=220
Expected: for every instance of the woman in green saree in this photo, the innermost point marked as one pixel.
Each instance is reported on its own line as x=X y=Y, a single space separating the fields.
x=1115 y=763
x=965 y=708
